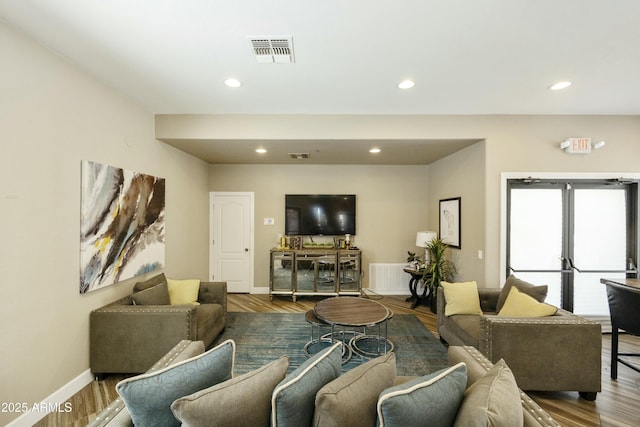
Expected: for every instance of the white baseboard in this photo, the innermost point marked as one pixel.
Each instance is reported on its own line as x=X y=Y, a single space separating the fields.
x=260 y=290
x=55 y=402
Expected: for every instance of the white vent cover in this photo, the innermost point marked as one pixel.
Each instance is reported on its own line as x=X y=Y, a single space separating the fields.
x=299 y=156
x=272 y=49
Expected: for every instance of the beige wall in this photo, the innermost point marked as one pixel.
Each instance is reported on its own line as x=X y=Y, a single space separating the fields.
x=391 y=204
x=52 y=116
x=511 y=143
x=462 y=175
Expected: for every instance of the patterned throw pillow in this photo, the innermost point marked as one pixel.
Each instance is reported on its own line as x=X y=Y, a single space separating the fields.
x=149 y=396
x=293 y=400
x=493 y=400
x=242 y=401
x=350 y=400
x=435 y=397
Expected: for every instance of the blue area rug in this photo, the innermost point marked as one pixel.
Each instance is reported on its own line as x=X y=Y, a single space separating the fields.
x=263 y=337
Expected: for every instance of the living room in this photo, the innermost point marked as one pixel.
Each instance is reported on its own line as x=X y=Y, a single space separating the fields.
x=55 y=114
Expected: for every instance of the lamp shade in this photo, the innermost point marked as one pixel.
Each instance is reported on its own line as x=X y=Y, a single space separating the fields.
x=423 y=238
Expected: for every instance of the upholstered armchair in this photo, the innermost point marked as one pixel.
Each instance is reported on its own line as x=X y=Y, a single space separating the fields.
x=126 y=337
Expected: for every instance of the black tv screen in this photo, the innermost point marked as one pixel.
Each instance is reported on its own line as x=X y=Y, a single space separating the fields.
x=320 y=214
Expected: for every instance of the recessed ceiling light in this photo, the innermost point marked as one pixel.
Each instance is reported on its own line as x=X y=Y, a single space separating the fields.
x=261 y=150
x=232 y=83
x=375 y=150
x=406 y=84
x=560 y=85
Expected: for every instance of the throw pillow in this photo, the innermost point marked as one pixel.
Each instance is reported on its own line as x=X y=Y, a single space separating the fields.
x=537 y=292
x=293 y=400
x=149 y=396
x=351 y=399
x=462 y=298
x=519 y=304
x=156 y=295
x=435 y=397
x=242 y=401
x=183 y=291
x=153 y=281
x=492 y=401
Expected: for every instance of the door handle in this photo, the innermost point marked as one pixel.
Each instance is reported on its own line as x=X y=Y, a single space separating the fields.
x=246 y=249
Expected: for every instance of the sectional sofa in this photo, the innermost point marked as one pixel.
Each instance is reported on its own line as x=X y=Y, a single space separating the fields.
x=317 y=393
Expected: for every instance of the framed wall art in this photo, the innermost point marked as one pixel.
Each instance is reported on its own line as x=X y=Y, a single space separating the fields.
x=450 y=229
x=122 y=222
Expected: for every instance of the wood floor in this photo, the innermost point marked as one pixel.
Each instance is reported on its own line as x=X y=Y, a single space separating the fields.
x=618 y=405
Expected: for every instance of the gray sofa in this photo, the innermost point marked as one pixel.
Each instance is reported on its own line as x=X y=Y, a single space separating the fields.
x=554 y=353
x=117 y=415
x=127 y=337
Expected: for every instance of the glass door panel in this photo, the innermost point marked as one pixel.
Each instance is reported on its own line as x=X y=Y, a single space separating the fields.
x=535 y=242
x=599 y=246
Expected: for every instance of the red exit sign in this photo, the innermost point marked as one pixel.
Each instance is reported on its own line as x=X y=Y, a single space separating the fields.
x=579 y=145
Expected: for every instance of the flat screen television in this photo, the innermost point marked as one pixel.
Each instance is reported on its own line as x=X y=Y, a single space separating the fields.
x=320 y=214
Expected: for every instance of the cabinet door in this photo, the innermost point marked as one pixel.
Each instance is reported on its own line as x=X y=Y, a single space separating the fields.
x=282 y=271
x=349 y=272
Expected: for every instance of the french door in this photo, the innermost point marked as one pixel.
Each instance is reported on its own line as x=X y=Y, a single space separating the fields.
x=568 y=234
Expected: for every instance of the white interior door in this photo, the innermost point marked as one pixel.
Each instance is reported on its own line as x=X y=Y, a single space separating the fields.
x=231 y=253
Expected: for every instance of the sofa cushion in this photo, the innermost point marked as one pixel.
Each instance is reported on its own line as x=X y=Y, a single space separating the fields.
x=183 y=291
x=155 y=295
x=435 y=397
x=519 y=304
x=537 y=292
x=148 y=396
x=351 y=399
x=492 y=401
x=150 y=282
x=462 y=298
x=242 y=401
x=293 y=400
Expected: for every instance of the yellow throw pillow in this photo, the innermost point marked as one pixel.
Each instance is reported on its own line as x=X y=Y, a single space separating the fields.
x=519 y=304
x=183 y=291
x=462 y=298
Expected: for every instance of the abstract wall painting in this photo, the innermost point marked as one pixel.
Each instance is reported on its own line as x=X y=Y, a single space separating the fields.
x=122 y=225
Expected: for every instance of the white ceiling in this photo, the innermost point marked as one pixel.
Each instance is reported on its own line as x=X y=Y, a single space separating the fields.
x=466 y=56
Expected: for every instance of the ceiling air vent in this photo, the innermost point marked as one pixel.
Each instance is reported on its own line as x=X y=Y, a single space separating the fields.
x=272 y=49
x=299 y=156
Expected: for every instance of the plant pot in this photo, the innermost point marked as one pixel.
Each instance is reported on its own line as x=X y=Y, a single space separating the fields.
x=433 y=305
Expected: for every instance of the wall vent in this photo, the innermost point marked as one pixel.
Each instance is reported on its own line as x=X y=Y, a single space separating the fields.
x=272 y=48
x=299 y=156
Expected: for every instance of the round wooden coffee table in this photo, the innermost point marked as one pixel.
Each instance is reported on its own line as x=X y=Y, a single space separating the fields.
x=358 y=314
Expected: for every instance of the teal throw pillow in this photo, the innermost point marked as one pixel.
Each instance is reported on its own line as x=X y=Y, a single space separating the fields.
x=435 y=397
x=293 y=400
x=149 y=396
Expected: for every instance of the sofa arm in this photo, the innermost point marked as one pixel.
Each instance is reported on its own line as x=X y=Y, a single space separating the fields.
x=213 y=293
x=131 y=338
x=565 y=347
x=477 y=367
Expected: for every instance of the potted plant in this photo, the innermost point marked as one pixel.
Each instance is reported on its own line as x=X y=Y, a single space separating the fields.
x=438 y=269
